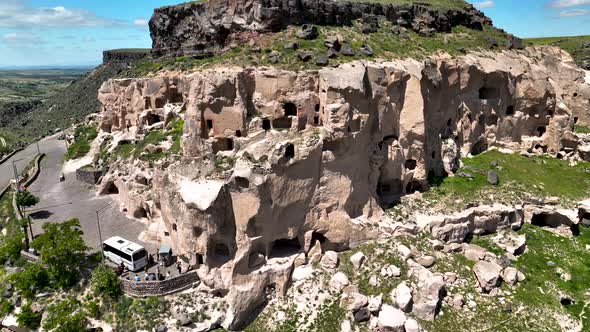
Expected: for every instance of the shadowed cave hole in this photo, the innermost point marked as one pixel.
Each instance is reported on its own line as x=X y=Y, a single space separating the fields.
x=140 y=213
x=316 y=120
x=553 y=221
x=414 y=186
x=317 y=108
x=489 y=93
x=266 y=124
x=510 y=110
x=575 y=119
x=242 y=182
x=355 y=125
x=148 y=103
x=282 y=123
x=221 y=252
x=565 y=301
x=290 y=151
x=152 y=118
x=541 y=130
x=290 y=109
x=160 y=102
x=238 y=133
x=112 y=189
x=285 y=247
x=410 y=164
x=209 y=124
x=479 y=148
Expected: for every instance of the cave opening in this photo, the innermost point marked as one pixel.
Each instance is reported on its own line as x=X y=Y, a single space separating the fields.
x=160 y=102
x=221 y=253
x=410 y=164
x=238 y=133
x=174 y=228
x=209 y=124
x=111 y=188
x=152 y=119
x=316 y=120
x=414 y=186
x=223 y=144
x=290 y=151
x=479 y=148
x=251 y=228
x=290 y=109
x=285 y=248
x=541 y=130
x=317 y=108
x=355 y=125
x=242 y=182
x=140 y=213
x=488 y=93
x=282 y=123
x=510 y=110
x=266 y=124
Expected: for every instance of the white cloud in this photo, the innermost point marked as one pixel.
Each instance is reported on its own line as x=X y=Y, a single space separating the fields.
x=568 y=3
x=574 y=12
x=140 y=22
x=22 y=38
x=484 y=4
x=17 y=14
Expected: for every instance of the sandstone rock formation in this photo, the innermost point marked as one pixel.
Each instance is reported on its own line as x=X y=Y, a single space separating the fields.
x=276 y=163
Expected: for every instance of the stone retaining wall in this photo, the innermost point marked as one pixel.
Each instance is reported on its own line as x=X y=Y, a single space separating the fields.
x=159 y=288
x=27 y=182
x=90 y=176
x=29 y=257
x=8 y=156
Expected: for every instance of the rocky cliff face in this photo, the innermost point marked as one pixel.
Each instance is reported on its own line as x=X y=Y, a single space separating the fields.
x=278 y=163
x=205 y=28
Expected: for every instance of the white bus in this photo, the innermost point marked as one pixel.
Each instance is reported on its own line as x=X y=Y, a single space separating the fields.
x=119 y=250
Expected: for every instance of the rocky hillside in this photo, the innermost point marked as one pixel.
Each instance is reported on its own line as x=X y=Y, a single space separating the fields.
x=312 y=34
x=578 y=47
x=27 y=121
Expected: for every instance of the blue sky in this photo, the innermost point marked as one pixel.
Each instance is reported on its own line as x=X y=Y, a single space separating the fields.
x=74 y=32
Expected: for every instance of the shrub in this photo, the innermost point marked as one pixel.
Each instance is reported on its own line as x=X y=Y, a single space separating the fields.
x=65 y=316
x=5 y=307
x=31 y=279
x=62 y=250
x=105 y=282
x=28 y=318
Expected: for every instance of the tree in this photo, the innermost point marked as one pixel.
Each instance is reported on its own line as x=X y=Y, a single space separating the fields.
x=62 y=250
x=26 y=199
x=105 y=282
x=31 y=279
x=28 y=318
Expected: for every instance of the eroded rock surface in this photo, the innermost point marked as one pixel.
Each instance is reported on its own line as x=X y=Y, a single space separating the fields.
x=279 y=163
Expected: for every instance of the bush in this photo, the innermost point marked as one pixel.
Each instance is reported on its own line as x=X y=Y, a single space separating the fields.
x=65 y=316
x=10 y=248
x=105 y=282
x=5 y=307
x=30 y=280
x=28 y=318
x=62 y=250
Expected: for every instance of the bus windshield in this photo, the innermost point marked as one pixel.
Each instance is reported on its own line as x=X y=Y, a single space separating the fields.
x=139 y=255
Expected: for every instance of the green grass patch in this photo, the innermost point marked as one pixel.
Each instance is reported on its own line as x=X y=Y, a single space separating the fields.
x=383 y=42
x=581 y=129
x=520 y=177
x=440 y=4
x=83 y=137
x=573 y=45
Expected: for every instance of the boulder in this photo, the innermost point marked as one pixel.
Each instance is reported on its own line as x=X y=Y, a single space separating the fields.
x=339 y=281
x=291 y=45
x=329 y=260
x=487 y=274
x=358 y=259
x=512 y=276
x=308 y=32
x=428 y=297
x=353 y=301
x=375 y=303
x=362 y=315
x=304 y=56
x=493 y=178
x=426 y=261
x=391 y=319
x=322 y=61
x=411 y=325
x=402 y=297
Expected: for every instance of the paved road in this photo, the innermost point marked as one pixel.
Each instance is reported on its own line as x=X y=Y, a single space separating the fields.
x=72 y=199
x=22 y=158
